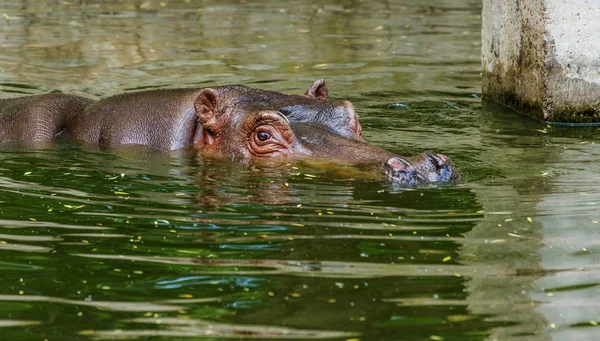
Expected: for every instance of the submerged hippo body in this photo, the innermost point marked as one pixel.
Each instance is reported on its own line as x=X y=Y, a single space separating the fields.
x=242 y=123
x=38 y=118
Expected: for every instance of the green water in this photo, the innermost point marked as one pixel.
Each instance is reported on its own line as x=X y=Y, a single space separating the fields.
x=133 y=244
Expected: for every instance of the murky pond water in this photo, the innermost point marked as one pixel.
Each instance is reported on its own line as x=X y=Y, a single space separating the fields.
x=135 y=244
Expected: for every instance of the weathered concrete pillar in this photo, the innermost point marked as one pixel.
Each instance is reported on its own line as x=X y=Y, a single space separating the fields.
x=542 y=57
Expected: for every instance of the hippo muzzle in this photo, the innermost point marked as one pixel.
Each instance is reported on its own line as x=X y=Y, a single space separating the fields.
x=425 y=167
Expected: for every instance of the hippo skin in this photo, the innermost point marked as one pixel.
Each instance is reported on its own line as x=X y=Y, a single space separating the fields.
x=231 y=121
x=38 y=118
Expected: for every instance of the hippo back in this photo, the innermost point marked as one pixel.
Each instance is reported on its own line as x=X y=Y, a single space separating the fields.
x=38 y=118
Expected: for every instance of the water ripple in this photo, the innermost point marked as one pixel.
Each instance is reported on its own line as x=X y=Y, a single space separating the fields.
x=178 y=327
x=103 y=305
x=325 y=269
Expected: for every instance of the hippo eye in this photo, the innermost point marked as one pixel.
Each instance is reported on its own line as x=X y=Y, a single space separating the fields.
x=263 y=136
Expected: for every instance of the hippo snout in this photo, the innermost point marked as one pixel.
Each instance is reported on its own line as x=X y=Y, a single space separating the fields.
x=425 y=167
x=436 y=167
x=399 y=170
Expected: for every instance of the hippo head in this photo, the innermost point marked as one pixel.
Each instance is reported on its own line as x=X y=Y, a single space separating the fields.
x=340 y=117
x=259 y=131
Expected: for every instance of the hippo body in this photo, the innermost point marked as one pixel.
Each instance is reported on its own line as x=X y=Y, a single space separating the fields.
x=232 y=121
x=161 y=119
x=165 y=119
x=38 y=118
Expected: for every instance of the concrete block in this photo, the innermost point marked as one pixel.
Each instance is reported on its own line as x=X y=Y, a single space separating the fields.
x=542 y=57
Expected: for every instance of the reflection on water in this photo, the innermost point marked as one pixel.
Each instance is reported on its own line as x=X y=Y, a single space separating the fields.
x=176 y=327
x=134 y=244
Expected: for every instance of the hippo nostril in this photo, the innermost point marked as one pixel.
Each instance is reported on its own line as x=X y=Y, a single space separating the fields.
x=425 y=167
x=398 y=163
x=437 y=160
x=400 y=170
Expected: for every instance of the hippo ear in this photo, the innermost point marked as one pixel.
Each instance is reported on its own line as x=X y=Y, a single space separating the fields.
x=318 y=91
x=206 y=105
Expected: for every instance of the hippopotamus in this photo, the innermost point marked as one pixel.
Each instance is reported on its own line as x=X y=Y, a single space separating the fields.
x=243 y=123
x=38 y=118
x=41 y=117
x=166 y=119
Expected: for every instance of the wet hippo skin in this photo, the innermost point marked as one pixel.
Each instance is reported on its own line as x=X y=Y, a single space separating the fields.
x=166 y=119
x=242 y=123
x=232 y=121
x=38 y=118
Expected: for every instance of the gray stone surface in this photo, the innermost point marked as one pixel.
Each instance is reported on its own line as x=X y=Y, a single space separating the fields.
x=542 y=57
